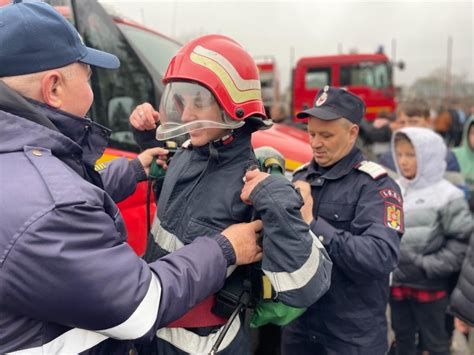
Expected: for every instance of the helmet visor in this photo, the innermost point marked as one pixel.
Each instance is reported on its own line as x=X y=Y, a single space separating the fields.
x=186 y=107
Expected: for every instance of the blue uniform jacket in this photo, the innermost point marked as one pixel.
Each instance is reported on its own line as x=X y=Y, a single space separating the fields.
x=69 y=282
x=359 y=219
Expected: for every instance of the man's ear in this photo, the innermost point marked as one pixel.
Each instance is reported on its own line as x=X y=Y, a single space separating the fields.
x=52 y=88
x=354 y=131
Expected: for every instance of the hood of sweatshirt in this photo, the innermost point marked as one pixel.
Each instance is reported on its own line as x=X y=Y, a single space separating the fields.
x=430 y=151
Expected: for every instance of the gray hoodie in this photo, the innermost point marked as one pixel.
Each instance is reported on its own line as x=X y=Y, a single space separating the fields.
x=437 y=219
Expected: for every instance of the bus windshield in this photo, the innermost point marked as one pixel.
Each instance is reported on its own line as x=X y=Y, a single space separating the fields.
x=375 y=75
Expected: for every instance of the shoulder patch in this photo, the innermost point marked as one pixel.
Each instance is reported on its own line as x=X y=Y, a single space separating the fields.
x=301 y=168
x=389 y=193
x=373 y=169
x=393 y=216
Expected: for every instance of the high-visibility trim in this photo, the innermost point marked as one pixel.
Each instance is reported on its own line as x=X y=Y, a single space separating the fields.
x=170 y=243
x=287 y=281
x=267 y=288
x=192 y=343
x=141 y=321
x=242 y=84
x=239 y=89
x=77 y=340
x=165 y=240
x=74 y=341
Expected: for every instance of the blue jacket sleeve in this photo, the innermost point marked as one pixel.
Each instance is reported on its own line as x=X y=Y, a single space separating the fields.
x=120 y=177
x=71 y=266
x=293 y=259
x=370 y=249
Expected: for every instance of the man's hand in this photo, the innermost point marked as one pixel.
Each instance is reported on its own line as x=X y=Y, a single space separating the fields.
x=144 y=117
x=146 y=157
x=252 y=178
x=379 y=122
x=243 y=237
x=305 y=191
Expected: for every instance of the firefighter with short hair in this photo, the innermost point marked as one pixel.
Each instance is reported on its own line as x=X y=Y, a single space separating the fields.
x=69 y=282
x=356 y=211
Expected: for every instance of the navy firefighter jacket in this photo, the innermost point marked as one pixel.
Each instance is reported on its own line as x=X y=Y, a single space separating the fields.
x=358 y=217
x=201 y=194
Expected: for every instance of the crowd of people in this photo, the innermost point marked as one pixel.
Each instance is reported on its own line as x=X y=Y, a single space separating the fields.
x=322 y=256
x=432 y=281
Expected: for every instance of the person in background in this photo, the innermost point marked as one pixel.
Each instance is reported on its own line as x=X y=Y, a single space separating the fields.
x=69 y=282
x=462 y=298
x=356 y=211
x=437 y=228
x=465 y=157
x=414 y=113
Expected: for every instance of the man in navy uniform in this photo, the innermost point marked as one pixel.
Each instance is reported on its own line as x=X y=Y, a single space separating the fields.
x=69 y=282
x=355 y=210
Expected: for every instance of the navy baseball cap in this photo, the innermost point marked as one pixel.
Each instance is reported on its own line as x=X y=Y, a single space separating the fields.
x=34 y=37
x=332 y=103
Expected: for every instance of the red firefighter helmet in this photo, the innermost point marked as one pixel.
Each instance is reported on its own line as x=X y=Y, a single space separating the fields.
x=220 y=64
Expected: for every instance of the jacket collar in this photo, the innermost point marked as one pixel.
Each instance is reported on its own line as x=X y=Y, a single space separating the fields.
x=236 y=144
x=339 y=169
x=29 y=122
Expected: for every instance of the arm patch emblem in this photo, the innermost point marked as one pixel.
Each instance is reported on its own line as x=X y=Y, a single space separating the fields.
x=393 y=216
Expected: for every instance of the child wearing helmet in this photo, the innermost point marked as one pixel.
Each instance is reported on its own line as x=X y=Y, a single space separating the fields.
x=212 y=93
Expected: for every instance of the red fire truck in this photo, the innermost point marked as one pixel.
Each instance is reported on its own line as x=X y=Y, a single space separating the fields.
x=144 y=55
x=367 y=75
x=270 y=85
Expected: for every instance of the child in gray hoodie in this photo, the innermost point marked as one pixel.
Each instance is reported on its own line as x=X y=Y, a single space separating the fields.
x=437 y=228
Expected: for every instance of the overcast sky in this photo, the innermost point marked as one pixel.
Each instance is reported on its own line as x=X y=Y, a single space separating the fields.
x=420 y=29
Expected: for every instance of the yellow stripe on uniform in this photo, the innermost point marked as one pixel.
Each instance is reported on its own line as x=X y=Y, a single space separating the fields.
x=99 y=167
x=267 y=287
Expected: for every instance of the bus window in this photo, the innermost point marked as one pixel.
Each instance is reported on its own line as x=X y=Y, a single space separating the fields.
x=317 y=78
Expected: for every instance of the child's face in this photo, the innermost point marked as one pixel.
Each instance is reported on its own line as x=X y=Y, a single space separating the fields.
x=470 y=136
x=412 y=121
x=406 y=158
x=195 y=108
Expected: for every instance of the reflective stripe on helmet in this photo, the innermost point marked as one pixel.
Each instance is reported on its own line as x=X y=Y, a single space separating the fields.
x=239 y=89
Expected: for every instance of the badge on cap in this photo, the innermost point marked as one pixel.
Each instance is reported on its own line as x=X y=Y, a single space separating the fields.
x=324 y=96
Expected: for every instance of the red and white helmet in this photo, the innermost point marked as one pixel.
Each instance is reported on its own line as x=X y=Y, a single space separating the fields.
x=220 y=65
x=226 y=69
